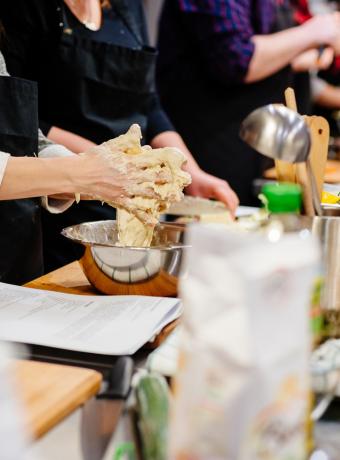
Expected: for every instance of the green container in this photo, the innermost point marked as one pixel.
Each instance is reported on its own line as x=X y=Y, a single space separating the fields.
x=283 y=197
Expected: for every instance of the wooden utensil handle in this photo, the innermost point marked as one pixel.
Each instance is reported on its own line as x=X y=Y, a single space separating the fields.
x=286 y=172
x=291 y=99
x=301 y=168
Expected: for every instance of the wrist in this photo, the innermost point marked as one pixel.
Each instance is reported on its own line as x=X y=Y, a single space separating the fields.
x=316 y=34
x=309 y=35
x=77 y=173
x=62 y=173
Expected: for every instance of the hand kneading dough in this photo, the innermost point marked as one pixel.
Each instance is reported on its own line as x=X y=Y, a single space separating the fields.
x=133 y=231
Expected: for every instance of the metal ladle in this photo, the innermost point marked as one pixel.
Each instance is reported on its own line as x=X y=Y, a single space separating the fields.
x=281 y=134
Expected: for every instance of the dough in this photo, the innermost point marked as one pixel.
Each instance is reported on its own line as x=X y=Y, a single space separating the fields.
x=132 y=231
x=168 y=162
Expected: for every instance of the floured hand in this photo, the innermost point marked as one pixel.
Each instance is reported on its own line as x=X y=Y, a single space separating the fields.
x=150 y=181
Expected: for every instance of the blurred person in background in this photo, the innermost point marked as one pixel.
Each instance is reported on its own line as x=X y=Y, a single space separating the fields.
x=325 y=90
x=95 y=75
x=220 y=60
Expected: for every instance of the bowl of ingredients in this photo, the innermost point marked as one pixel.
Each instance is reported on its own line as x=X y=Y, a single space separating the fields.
x=129 y=270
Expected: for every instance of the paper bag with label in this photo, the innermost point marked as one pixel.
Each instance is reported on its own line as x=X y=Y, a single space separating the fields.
x=242 y=391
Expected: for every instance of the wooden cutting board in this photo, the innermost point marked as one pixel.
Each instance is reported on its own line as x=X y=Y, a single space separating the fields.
x=51 y=392
x=332 y=173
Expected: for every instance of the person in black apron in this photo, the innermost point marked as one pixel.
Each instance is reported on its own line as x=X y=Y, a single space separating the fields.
x=94 y=84
x=22 y=179
x=206 y=109
x=99 y=83
x=20 y=232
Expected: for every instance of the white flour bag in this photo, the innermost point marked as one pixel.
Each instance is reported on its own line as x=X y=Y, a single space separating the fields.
x=243 y=389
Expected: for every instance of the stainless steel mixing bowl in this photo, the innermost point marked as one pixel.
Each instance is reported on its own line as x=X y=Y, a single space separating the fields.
x=113 y=269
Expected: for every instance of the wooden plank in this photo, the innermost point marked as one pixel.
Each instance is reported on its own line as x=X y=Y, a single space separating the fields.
x=51 y=392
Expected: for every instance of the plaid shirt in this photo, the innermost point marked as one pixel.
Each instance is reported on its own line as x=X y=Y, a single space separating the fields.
x=229 y=25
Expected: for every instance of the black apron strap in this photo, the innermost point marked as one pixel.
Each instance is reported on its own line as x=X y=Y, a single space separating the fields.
x=20 y=230
x=123 y=9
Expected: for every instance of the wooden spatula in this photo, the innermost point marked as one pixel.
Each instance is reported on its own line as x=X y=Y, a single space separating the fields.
x=301 y=168
x=319 y=129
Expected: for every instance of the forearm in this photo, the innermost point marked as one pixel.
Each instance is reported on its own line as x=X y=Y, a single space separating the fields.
x=94 y=174
x=329 y=97
x=276 y=51
x=173 y=139
x=73 y=142
x=27 y=177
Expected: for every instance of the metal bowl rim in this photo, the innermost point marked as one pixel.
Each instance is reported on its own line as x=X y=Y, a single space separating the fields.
x=134 y=248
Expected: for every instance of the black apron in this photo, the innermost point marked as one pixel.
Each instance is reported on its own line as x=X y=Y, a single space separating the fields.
x=20 y=230
x=96 y=90
x=208 y=116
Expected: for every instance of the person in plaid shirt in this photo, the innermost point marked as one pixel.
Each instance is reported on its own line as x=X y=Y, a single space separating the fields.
x=221 y=59
x=325 y=87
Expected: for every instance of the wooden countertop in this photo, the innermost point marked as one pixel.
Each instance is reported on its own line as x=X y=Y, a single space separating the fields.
x=51 y=392
x=69 y=279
